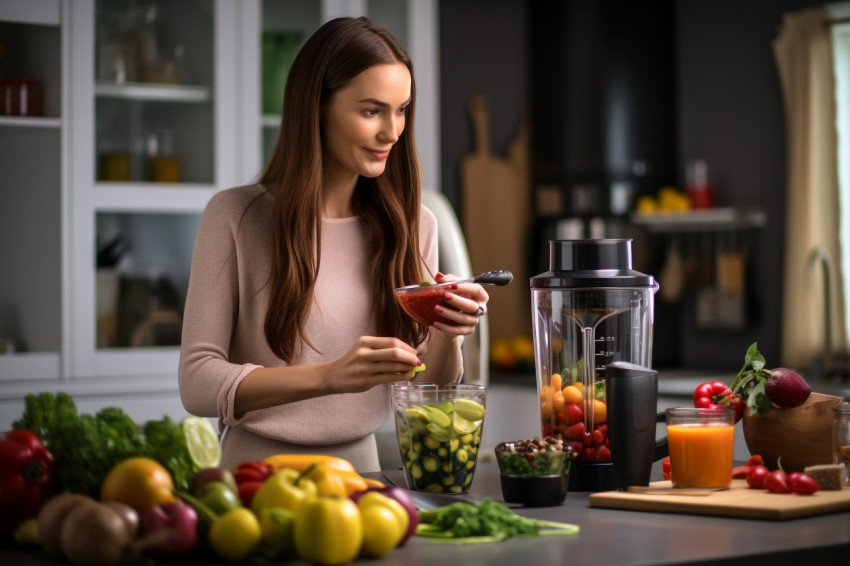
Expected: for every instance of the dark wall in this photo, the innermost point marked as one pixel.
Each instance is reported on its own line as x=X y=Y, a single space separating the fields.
x=731 y=113
x=728 y=110
x=483 y=49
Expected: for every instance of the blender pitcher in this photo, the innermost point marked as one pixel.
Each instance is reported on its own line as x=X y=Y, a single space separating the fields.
x=589 y=310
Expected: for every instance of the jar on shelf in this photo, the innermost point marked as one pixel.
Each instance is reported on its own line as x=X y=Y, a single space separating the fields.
x=20 y=97
x=841 y=437
x=164 y=167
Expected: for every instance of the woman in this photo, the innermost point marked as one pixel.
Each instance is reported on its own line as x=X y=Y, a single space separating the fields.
x=291 y=333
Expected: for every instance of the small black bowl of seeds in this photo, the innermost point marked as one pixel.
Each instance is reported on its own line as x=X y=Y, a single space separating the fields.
x=535 y=471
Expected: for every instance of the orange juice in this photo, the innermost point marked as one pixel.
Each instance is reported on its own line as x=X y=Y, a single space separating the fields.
x=701 y=454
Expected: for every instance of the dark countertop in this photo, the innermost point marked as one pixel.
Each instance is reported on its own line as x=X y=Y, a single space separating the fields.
x=607 y=536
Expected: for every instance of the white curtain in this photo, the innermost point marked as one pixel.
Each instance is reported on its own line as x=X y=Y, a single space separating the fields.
x=803 y=53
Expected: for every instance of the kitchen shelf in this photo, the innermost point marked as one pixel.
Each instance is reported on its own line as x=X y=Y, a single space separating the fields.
x=153 y=92
x=703 y=220
x=142 y=197
x=30 y=122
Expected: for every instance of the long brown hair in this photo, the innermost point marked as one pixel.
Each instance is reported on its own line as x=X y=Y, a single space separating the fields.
x=389 y=204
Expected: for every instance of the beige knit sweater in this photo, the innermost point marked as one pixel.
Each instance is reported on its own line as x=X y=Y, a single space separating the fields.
x=223 y=337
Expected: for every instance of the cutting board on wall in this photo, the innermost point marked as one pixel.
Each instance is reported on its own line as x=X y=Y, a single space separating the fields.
x=738 y=501
x=497 y=218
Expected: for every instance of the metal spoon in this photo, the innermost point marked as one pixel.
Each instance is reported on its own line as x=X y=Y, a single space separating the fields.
x=498 y=277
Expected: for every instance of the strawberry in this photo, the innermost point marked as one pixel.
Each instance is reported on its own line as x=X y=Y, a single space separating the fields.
x=576 y=431
x=603 y=453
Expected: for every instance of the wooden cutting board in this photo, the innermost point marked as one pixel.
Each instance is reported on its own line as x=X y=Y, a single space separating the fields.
x=497 y=219
x=739 y=501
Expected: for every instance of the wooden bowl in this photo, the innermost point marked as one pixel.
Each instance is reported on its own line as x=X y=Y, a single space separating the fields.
x=801 y=436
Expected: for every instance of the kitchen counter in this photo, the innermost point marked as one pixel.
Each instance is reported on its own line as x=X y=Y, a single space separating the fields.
x=608 y=537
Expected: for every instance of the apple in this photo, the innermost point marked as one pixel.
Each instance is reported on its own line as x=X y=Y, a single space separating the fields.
x=169 y=530
x=209 y=475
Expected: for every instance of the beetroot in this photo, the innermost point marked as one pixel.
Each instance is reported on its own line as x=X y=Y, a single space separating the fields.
x=786 y=388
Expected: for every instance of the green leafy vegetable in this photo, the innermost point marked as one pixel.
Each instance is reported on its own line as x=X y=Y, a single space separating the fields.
x=87 y=447
x=750 y=381
x=166 y=443
x=463 y=522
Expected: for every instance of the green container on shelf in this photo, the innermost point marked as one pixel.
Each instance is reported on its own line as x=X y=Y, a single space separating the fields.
x=279 y=50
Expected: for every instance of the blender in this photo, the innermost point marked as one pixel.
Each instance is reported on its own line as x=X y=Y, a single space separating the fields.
x=590 y=310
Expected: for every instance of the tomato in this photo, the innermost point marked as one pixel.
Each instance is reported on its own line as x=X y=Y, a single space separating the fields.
x=777 y=482
x=756 y=476
x=138 y=482
x=802 y=484
x=665 y=468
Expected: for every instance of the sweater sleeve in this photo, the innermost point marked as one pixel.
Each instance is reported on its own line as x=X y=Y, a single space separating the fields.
x=207 y=378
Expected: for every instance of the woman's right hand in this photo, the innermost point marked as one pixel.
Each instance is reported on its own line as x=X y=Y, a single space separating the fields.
x=371 y=361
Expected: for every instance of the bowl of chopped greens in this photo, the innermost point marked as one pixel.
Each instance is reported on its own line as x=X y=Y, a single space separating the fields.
x=439 y=434
x=534 y=472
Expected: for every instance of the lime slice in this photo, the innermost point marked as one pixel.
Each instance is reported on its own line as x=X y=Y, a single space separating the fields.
x=465 y=426
x=417 y=412
x=437 y=416
x=469 y=409
x=202 y=442
x=440 y=434
x=447 y=407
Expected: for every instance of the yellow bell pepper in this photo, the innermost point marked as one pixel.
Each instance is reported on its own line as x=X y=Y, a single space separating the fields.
x=328 y=530
x=328 y=481
x=301 y=462
x=354 y=482
x=286 y=489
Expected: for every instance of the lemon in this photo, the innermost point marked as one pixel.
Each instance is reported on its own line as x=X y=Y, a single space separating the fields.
x=464 y=426
x=469 y=409
x=202 y=442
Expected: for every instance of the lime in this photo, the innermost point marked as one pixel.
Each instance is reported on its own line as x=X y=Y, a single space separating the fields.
x=469 y=409
x=202 y=442
x=463 y=425
x=436 y=416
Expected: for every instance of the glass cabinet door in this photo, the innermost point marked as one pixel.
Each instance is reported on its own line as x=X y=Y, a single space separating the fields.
x=31 y=181
x=153 y=91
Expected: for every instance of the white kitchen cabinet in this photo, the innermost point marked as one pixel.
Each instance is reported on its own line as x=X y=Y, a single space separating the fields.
x=413 y=22
x=79 y=175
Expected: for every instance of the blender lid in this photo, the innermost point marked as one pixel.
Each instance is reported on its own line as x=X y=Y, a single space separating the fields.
x=591 y=263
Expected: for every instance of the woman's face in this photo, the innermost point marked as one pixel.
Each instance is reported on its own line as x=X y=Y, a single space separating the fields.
x=363 y=120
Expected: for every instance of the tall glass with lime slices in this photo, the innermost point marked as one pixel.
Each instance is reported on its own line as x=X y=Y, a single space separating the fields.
x=439 y=434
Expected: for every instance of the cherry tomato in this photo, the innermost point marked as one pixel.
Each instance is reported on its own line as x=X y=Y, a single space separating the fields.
x=802 y=484
x=756 y=476
x=777 y=482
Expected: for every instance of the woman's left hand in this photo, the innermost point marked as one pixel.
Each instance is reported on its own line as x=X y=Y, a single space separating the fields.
x=464 y=305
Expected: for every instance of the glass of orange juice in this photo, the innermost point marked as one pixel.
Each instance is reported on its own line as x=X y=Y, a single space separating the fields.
x=701 y=443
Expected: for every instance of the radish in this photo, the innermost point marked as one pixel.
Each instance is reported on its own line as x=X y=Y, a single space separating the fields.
x=786 y=388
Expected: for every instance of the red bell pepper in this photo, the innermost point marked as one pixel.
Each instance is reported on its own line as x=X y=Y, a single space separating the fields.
x=249 y=477
x=27 y=477
x=715 y=394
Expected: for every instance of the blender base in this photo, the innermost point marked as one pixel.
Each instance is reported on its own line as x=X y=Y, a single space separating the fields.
x=592 y=476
